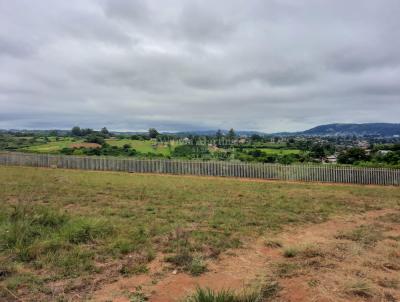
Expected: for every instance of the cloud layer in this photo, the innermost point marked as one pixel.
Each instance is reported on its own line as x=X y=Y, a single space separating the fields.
x=276 y=65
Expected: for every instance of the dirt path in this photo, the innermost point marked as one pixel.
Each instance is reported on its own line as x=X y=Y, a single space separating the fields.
x=331 y=273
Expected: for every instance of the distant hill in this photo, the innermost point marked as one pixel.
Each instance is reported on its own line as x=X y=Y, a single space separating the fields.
x=212 y=132
x=380 y=129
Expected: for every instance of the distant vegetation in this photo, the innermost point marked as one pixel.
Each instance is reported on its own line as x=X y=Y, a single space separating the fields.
x=372 y=151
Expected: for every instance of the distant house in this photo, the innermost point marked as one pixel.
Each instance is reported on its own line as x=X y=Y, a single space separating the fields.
x=331 y=159
x=383 y=152
x=363 y=144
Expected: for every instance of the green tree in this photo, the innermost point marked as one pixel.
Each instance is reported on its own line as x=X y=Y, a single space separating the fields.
x=105 y=131
x=352 y=156
x=256 y=138
x=76 y=131
x=93 y=138
x=218 y=134
x=317 y=151
x=153 y=133
x=231 y=134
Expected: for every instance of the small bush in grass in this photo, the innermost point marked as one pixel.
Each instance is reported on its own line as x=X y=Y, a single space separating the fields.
x=188 y=263
x=123 y=246
x=84 y=230
x=209 y=295
x=138 y=295
x=49 y=218
x=180 y=260
x=197 y=266
x=290 y=252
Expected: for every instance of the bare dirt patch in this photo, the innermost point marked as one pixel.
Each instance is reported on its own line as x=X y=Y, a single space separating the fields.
x=323 y=267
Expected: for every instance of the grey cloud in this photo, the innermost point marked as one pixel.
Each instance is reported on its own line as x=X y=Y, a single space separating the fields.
x=360 y=59
x=200 y=23
x=14 y=48
x=176 y=65
x=134 y=11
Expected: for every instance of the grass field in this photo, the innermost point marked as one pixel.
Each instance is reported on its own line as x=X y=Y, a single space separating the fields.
x=143 y=146
x=63 y=227
x=280 y=151
x=52 y=146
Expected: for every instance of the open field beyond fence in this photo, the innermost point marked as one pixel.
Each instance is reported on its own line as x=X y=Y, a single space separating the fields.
x=317 y=173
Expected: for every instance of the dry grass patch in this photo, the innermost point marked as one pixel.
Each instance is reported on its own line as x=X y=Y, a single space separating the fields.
x=360 y=288
x=368 y=235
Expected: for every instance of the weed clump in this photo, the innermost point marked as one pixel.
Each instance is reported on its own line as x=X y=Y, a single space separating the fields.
x=85 y=230
x=290 y=252
x=208 y=295
x=197 y=266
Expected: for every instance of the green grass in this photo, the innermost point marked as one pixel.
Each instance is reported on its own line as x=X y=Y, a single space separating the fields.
x=65 y=224
x=52 y=146
x=208 y=295
x=144 y=146
x=280 y=151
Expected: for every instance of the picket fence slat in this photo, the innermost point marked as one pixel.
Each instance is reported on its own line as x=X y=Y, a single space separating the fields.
x=322 y=173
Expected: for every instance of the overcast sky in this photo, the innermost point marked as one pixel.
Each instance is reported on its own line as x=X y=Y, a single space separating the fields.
x=270 y=65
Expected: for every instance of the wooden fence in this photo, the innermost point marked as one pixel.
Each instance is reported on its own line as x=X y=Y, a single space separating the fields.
x=317 y=173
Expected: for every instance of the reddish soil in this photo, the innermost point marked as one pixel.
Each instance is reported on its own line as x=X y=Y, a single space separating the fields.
x=325 y=277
